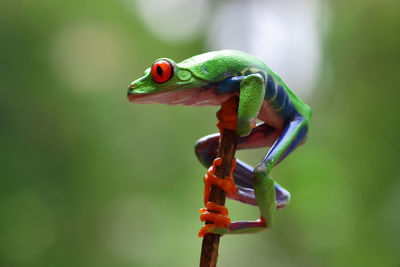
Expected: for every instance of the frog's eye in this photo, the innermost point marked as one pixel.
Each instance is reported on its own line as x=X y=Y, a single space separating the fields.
x=161 y=71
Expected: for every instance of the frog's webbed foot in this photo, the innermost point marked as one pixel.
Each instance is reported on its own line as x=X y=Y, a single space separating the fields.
x=214 y=212
x=218 y=215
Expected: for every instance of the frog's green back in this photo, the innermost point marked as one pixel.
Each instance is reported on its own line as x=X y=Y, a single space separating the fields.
x=219 y=65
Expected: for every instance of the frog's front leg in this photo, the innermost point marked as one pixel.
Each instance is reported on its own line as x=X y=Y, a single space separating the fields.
x=252 y=91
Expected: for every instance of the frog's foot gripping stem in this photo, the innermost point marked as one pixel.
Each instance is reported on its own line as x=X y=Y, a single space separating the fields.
x=218 y=215
x=214 y=213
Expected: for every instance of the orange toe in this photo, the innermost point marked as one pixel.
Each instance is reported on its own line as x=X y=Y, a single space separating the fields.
x=216 y=214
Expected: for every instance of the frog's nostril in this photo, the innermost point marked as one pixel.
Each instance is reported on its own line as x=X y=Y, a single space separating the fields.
x=132 y=85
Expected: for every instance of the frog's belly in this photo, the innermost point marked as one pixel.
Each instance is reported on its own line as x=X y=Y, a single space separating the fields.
x=189 y=97
x=205 y=97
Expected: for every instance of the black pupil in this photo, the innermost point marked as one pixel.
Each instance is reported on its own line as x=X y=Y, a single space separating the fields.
x=159 y=71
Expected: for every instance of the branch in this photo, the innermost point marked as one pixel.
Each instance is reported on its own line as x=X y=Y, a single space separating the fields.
x=226 y=151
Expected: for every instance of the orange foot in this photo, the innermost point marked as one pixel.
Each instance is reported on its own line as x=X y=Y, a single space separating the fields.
x=227 y=184
x=218 y=215
x=213 y=212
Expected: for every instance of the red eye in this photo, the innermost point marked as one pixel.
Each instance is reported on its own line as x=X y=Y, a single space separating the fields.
x=161 y=71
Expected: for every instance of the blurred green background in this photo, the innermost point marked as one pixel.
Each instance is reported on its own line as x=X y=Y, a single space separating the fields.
x=89 y=179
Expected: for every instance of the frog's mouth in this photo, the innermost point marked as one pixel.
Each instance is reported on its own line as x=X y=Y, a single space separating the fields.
x=188 y=97
x=149 y=98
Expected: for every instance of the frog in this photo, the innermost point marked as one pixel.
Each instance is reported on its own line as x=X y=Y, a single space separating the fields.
x=269 y=115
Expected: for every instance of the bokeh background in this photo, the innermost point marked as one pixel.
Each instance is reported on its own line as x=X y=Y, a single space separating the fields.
x=89 y=179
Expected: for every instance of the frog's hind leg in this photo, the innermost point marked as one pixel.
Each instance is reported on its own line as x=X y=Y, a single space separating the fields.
x=255 y=186
x=293 y=135
x=244 y=173
x=263 y=135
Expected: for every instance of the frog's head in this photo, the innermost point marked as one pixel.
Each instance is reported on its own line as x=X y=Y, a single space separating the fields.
x=163 y=82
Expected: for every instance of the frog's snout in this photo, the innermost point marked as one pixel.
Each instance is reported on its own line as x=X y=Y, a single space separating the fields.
x=130 y=89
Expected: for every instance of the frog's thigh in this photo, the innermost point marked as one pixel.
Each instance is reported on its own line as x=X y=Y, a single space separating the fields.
x=262 y=135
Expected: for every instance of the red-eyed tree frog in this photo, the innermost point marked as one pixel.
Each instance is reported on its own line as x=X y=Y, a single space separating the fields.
x=211 y=78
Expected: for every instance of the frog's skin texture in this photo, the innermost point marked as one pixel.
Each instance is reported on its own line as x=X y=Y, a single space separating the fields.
x=210 y=79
